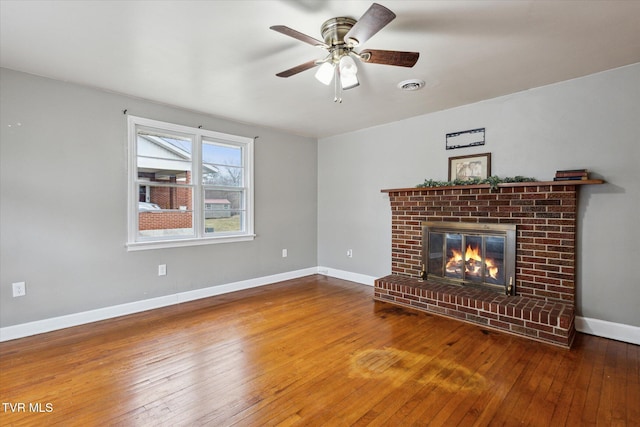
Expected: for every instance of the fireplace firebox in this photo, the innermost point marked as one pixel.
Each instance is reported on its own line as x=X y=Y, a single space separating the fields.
x=470 y=254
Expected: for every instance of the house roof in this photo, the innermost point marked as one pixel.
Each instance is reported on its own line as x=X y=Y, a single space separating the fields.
x=220 y=57
x=159 y=153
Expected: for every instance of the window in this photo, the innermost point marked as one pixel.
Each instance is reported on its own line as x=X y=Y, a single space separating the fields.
x=188 y=186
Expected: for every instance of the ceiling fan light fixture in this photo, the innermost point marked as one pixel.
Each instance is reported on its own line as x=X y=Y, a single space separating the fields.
x=348 y=66
x=325 y=73
x=348 y=72
x=349 y=81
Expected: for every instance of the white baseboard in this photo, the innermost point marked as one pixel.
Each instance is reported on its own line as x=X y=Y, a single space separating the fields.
x=47 y=325
x=614 y=331
x=347 y=275
x=601 y=328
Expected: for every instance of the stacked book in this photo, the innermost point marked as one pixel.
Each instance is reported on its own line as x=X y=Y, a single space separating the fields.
x=571 y=175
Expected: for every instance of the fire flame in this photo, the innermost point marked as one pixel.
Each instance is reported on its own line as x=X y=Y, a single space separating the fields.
x=474 y=267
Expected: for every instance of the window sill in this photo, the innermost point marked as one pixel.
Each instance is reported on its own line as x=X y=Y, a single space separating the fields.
x=164 y=244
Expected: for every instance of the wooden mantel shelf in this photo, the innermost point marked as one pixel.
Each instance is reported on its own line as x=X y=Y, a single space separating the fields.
x=506 y=184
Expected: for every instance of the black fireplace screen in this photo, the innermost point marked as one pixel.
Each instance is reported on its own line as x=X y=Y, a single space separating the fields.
x=470 y=254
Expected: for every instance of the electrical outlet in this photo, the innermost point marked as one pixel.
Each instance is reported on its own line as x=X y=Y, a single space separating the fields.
x=350 y=253
x=284 y=253
x=19 y=289
x=162 y=270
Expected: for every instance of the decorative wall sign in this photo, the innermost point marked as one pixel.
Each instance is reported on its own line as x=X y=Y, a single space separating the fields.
x=466 y=138
x=465 y=168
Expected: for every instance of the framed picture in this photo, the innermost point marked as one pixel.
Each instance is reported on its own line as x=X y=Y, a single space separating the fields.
x=475 y=166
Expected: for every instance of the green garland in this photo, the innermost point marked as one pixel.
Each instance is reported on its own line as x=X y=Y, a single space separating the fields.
x=493 y=181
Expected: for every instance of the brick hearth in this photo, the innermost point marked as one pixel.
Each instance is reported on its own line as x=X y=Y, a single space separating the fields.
x=545 y=216
x=535 y=318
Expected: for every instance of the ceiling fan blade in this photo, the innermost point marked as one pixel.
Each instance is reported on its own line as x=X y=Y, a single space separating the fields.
x=373 y=20
x=390 y=57
x=298 y=35
x=298 y=69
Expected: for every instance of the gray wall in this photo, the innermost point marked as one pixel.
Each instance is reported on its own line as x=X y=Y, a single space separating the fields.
x=591 y=122
x=63 y=200
x=63 y=187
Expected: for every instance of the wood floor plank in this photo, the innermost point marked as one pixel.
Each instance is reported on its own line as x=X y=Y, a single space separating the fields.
x=306 y=352
x=632 y=376
x=612 y=397
x=493 y=367
x=397 y=402
x=564 y=387
x=537 y=406
x=594 y=389
x=533 y=406
x=462 y=387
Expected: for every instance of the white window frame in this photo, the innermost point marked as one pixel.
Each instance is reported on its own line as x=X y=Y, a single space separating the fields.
x=200 y=237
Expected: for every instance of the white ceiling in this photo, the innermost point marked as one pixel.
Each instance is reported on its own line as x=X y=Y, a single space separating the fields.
x=220 y=57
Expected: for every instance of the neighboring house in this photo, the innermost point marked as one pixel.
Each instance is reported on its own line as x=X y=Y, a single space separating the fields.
x=164 y=160
x=217 y=208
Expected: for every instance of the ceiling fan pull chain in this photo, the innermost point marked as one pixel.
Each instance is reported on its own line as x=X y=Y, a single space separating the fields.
x=337 y=87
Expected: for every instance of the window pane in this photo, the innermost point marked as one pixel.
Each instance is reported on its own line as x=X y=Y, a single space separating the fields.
x=222 y=164
x=223 y=211
x=167 y=211
x=226 y=176
x=222 y=224
x=163 y=159
x=221 y=154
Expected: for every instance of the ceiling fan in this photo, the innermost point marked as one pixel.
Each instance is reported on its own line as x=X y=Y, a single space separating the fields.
x=341 y=36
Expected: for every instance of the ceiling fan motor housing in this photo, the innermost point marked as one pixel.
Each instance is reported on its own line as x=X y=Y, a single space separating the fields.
x=333 y=30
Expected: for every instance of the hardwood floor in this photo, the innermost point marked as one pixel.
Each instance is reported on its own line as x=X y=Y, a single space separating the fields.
x=311 y=351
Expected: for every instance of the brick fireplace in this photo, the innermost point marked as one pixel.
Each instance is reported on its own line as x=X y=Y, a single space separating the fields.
x=544 y=214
